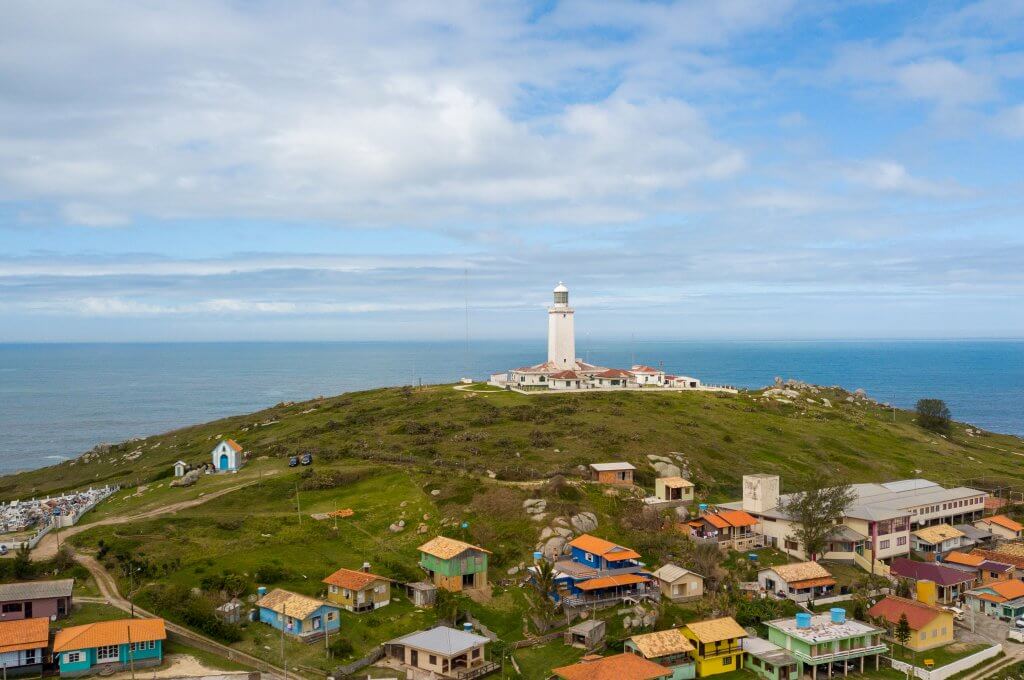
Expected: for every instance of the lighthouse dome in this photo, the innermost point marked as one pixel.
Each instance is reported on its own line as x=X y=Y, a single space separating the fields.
x=560 y=288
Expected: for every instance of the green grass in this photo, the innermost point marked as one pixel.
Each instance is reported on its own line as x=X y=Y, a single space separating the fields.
x=90 y=612
x=536 y=662
x=942 y=656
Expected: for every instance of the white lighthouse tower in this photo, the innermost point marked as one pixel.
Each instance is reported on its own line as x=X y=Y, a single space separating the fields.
x=561 y=333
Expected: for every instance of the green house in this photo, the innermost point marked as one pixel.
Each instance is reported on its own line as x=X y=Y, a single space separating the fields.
x=769 y=660
x=828 y=643
x=454 y=565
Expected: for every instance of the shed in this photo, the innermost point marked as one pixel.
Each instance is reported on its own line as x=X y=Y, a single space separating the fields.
x=679 y=584
x=230 y=611
x=612 y=473
x=673 y=489
x=421 y=593
x=586 y=635
x=180 y=468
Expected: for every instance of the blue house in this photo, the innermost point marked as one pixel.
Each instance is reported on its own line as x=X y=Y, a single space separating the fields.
x=298 y=615
x=109 y=646
x=601 y=572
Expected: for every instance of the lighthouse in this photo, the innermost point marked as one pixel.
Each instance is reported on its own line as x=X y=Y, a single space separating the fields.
x=561 y=333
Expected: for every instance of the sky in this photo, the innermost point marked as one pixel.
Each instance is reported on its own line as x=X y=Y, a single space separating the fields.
x=748 y=169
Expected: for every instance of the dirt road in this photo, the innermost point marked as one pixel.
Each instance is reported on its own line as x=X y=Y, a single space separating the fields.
x=47 y=548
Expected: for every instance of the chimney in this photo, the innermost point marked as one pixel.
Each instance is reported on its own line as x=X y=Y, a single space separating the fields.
x=366 y=568
x=926 y=592
x=760 y=492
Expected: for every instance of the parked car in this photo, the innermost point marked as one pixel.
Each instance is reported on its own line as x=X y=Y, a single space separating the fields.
x=293 y=461
x=307 y=459
x=1019 y=622
x=957 y=613
x=1015 y=635
x=3 y=549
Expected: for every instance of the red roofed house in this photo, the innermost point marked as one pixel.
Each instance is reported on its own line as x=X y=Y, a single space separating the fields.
x=565 y=380
x=930 y=626
x=732 y=529
x=949 y=582
x=358 y=591
x=623 y=666
x=646 y=375
x=1001 y=526
x=613 y=377
x=227 y=456
x=23 y=644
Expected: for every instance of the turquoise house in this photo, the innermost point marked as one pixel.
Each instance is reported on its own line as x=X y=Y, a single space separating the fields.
x=303 y=617
x=821 y=640
x=108 y=646
x=667 y=648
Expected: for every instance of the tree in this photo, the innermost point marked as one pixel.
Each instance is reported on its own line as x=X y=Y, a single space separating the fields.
x=704 y=559
x=815 y=513
x=544 y=580
x=23 y=567
x=933 y=414
x=902 y=588
x=902 y=632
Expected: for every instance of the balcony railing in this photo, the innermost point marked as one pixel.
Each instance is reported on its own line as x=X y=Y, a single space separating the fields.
x=850 y=653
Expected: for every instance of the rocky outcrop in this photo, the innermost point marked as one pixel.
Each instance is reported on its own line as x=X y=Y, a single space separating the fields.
x=585 y=522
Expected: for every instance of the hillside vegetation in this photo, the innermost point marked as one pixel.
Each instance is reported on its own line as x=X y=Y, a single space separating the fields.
x=520 y=437
x=442 y=461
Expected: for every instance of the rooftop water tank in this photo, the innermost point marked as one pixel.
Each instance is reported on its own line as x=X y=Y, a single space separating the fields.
x=261 y=591
x=752 y=557
x=803 y=620
x=537 y=556
x=838 y=615
x=703 y=507
x=468 y=627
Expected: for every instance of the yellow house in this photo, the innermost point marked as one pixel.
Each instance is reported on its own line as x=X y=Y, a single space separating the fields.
x=358 y=591
x=719 y=645
x=930 y=626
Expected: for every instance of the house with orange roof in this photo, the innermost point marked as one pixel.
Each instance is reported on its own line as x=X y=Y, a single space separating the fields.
x=228 y=456
x=623 y=666
x=599 y=572
x=733 y=529
x=1001 y=526
x=800 y=581
x=1001 y=599
x=930 y=626
x=23 y=644
x=109 y=646
x=986 y=570
x=358 y=590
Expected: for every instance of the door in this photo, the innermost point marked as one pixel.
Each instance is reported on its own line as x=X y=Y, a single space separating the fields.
x=223 y=461
x=414 y=658
x=28 y=610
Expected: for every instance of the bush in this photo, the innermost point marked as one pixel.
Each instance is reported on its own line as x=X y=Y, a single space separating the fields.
x=271 y=573
x=341 y=647
x=934 y=415
x=177 y=603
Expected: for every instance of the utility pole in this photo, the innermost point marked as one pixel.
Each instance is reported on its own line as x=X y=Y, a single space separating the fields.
x=298 y=507
x=131 y=651
x=284 y=620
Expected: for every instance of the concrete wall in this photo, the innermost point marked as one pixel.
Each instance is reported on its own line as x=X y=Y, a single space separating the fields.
x=948 y=670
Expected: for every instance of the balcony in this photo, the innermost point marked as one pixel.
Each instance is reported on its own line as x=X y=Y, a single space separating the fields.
x=841 y=654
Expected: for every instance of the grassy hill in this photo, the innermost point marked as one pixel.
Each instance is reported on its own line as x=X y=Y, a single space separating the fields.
x=461 y=464
x=521 y=437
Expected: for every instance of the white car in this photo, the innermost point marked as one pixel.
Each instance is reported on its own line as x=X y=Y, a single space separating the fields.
x=1016 y=636
x=1019 y=622
x=957 y=613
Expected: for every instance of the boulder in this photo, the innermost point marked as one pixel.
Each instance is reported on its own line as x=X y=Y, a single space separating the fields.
x=435 y=492
x=396 y=528
x=546 y=533
x=422 y=529
x=554 y=547
x=667 y=470
x=826 y=403
x=584 y=522
x=539 y=517
x=563 y=532
x=682 y=513
x=512 y=571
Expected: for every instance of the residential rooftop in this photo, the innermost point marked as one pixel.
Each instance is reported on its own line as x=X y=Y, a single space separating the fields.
x=442 y=640
x=823 y=629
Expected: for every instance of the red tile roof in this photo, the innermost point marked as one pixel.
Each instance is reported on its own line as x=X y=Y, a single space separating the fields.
x=957 y=557
x=1005 y=590
x=640 y=368
x=623 y=666
x=235 y=445
x=565 y=375
x=613 y=373
x=729 y=518
x=352 y=579
x=606 y=549
x=612 y=581
x=1004 y=522
x=24 y=634
x=918 y=614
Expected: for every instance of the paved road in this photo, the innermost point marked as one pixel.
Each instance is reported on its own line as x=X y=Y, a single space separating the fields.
x=990 y=631
x=47 y=548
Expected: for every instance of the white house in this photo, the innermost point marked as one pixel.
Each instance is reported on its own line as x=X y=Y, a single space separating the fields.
x=799 y=582
x=180 y=468
x=645 y=375
x=938 y=539
x=227 y=456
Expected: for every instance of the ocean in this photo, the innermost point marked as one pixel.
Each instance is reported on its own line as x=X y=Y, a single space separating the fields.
x=59 y=400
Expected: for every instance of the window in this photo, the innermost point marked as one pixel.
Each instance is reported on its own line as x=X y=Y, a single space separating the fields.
x=11 y=607
x=923 y=635
x=589 y=557
x=107 y=653
x=727 y=661
x=30 y=656
x=476 y=653
x=791 y=545
x=901 y=540
x=433 y=660
x=330 y=616
x=72 y=657
x=883 y=545
x=334 y=589
x=346 y=593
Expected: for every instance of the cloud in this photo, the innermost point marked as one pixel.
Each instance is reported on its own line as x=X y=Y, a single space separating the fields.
x=943 y=81
x=92 y=215
x=890 y=176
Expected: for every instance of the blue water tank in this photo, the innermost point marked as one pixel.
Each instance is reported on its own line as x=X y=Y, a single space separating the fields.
x=465 y=525
x=703 y=507
x=537 y=556
x=468 y=627
x=752 y=557
x=261 y=591
x=838 y=615
x=803 y=620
